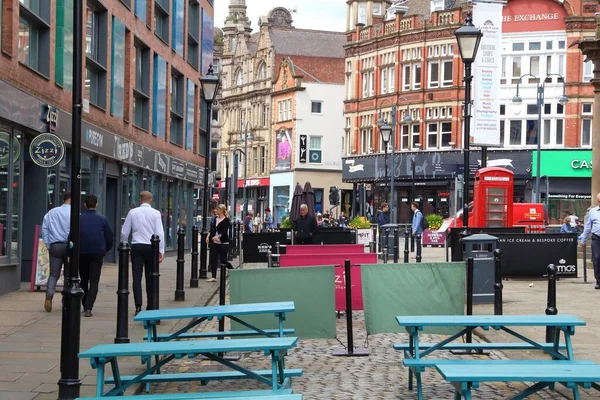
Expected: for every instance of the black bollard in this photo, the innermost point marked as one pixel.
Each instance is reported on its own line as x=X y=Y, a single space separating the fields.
x=194 y=276
x=396 y=249
x=203 y=255
x=154 y=274
x=385 y=255
x=470 y=294
x=123 y=295
x=179 y=291
x=222 y=288
x=498 y=282
x=412 y=244
x=551 y=305
x=417 y=238
x=406 y=250
x=231 y=248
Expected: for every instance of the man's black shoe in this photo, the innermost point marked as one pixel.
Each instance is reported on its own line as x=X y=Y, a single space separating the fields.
x=597 y=286
x=137 y=310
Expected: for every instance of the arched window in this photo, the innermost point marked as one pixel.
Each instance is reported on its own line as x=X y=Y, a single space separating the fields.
x=262 y=72
x=239 y=78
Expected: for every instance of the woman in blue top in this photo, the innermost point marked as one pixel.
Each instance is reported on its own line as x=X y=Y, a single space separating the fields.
x=566 y=226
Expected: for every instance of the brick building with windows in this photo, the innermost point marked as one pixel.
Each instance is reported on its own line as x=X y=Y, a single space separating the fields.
x=405 y=53
x=143 y=123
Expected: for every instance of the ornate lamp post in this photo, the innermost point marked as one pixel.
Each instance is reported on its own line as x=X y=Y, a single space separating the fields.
x=386 y=130
x=210 y=87
x=468 y=38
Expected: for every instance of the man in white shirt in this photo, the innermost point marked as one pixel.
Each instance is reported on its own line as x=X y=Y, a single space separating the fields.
x=143 y=222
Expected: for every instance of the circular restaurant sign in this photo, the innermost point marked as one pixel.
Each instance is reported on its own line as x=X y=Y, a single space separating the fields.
x=47 y=150
x=5 y=149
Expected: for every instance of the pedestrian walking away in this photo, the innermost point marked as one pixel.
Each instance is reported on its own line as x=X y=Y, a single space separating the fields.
x=592 y=226
x=219 y=237
x=55 y=234
x=305 y=226
x=96 y=240
x=142 y=222
x=417 y=225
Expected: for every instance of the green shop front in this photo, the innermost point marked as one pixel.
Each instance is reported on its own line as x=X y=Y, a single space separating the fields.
x=566 y=181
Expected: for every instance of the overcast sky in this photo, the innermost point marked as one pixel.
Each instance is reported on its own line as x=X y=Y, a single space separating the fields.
x=327 y=15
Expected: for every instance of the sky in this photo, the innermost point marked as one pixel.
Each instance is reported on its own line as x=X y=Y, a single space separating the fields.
x=326 y=15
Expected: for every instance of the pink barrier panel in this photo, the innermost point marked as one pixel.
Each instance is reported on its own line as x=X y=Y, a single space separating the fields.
x=309 y=260
x=325 y=249
x=340 y=288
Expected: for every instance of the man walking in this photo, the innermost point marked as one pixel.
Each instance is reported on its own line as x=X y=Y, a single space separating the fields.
x=592 y=226
x=55 y=234
x=268 y=224
x=143 y=222
x=417 y=226
x=96 y=240
x=383 y=217
x=305 y=226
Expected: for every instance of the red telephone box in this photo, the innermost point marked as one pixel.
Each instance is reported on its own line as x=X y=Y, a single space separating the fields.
x=493 y=197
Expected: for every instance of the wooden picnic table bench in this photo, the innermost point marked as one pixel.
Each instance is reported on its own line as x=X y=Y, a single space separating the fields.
x=103 y=354
x=415 y=353
x=237 y=395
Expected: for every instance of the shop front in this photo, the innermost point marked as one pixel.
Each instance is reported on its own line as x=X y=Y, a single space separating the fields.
x=438 y=178
x=566 y=182
x=280 y=195
x=257 y=194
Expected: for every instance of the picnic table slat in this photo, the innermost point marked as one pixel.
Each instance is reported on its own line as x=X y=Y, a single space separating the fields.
x=490 y=320
x=216 y=311
x=283 y=394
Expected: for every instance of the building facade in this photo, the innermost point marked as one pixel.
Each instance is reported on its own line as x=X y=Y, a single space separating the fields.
x=142 y=126
x=406 y=54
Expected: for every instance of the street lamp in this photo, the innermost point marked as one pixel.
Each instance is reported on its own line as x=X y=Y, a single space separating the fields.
x=385 y=130
x=517 y=100
x=210 y=87
x=245 y=137
x=468 y=38
x=381 y=123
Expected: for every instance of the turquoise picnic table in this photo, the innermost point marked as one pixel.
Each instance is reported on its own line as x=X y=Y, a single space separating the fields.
x=415 y=352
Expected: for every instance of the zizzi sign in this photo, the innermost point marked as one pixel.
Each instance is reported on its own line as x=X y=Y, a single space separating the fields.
x=47 y=150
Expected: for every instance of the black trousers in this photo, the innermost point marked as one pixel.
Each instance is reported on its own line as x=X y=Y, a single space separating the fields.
x=306 y=240
x=213 y=260
x=596 y=257
x=141 y=262
x=90 y=267
x=221 y=252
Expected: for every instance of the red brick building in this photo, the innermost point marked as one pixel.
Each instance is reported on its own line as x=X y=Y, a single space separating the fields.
x=143 y=128
x=408 y=56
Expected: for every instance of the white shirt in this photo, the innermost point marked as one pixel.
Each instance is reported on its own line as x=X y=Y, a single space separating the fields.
x=144 y=221
x=574 y=219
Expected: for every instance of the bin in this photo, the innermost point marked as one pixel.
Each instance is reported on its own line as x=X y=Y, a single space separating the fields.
x=481 y=248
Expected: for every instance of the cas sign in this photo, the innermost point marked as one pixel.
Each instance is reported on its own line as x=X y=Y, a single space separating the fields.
x=47 y=150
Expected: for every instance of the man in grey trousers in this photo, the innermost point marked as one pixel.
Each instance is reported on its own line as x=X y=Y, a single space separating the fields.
x=55 y=234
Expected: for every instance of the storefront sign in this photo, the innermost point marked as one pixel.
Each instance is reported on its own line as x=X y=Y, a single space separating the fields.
x=485 y=127
x=283 y=150
x=250 y=182
x=302 y=157
x=47 y=150
x=51 y=118
x=570 y=196
x=5 y=149
x=533 y=15
x=177 y=168
x=564 y=163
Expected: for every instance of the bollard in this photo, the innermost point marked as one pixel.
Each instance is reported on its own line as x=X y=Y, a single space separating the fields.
x=123 y=295
x=470 y=294
x=585 y=264
x=269 y=259
x=231 y=249
x=396 y=249
x=417 y=238
x=179 y=291
x=385 y=255
x=203 y=255
x=406 y=250
x=154 y=274
x=372 y=247
x=222 y=288
x=194 y=276
x=498 y=282
x=551 y=305
x=412 y=244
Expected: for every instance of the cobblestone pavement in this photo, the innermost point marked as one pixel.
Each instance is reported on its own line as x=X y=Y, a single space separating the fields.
x=381 y=375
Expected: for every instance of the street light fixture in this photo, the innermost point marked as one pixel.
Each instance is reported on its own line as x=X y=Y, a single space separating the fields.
x=210 y=88
x=517 y=100
x=468 y=38
x=385 y=130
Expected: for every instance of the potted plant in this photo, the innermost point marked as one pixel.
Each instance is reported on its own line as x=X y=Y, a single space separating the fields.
x=435 y=221
x=286 y=223
x=364 y=233
x=431 y=236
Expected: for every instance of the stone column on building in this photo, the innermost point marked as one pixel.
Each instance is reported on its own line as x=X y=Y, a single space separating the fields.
x=591 y=50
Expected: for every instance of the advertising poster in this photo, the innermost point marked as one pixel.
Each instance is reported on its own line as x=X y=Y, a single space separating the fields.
x=283 y=150
x=485 y=128
x=208 y=41
x=40 y=266
x=434 y=238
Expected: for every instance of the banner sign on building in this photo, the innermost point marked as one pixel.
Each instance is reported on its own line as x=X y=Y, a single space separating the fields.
x=485 y=128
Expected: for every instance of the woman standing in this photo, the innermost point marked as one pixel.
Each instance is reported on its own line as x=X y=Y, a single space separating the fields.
x=219 y=237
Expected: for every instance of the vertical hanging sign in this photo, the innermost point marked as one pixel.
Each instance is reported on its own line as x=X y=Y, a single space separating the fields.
x=487 y=71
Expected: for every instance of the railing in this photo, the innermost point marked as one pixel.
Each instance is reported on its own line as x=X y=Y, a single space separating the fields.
x=389 y=27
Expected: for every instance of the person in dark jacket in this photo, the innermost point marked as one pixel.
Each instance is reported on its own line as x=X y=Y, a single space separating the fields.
x=305 y=226
x=219 y=237
x=248 y=224
x=383 y=217
x=96 y=239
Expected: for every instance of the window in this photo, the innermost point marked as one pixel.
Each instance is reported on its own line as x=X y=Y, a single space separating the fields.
x=516 y=69
x=254 y=169
x=265 y=115
x=239 y=78
x=63 y=66
x=365 y=84
x=177 y=25
x=141 y=89
x=314 y=150
x=586 y=124
x=117 y=81
x=391 y=79
x=193 y=56
x=160 y=97
x=416 y=83
x=384 y=80
x=371 y=83
x=439 y=134
x=406 y=78
x=140 y=8
x=416 y=135
x=262 y=72
x=263 y=160
x=432 y=135
x=437 y=5
x=161 y=19
x=127 y=3
x=588 y=71
x=362 y=13
x=434 y=75
x=96 y=45
x=284 y=108
x=177 y=96
x=447 y=70
x=315 y=107
x=34 y=35
x=190 y=114
x=404 y=137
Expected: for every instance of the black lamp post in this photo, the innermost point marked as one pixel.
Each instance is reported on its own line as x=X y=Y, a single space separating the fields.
x=468 y=38
x=210 y=87
x=69 y=383
x=385 y=130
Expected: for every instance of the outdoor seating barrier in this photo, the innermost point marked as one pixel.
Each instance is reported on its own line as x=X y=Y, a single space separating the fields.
x=194 y=275
x=122 y=335
x=551 y=304
x=406 y=250
x=179 y=291
x=498 y=282
x=350 y=349
x=154 y=274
